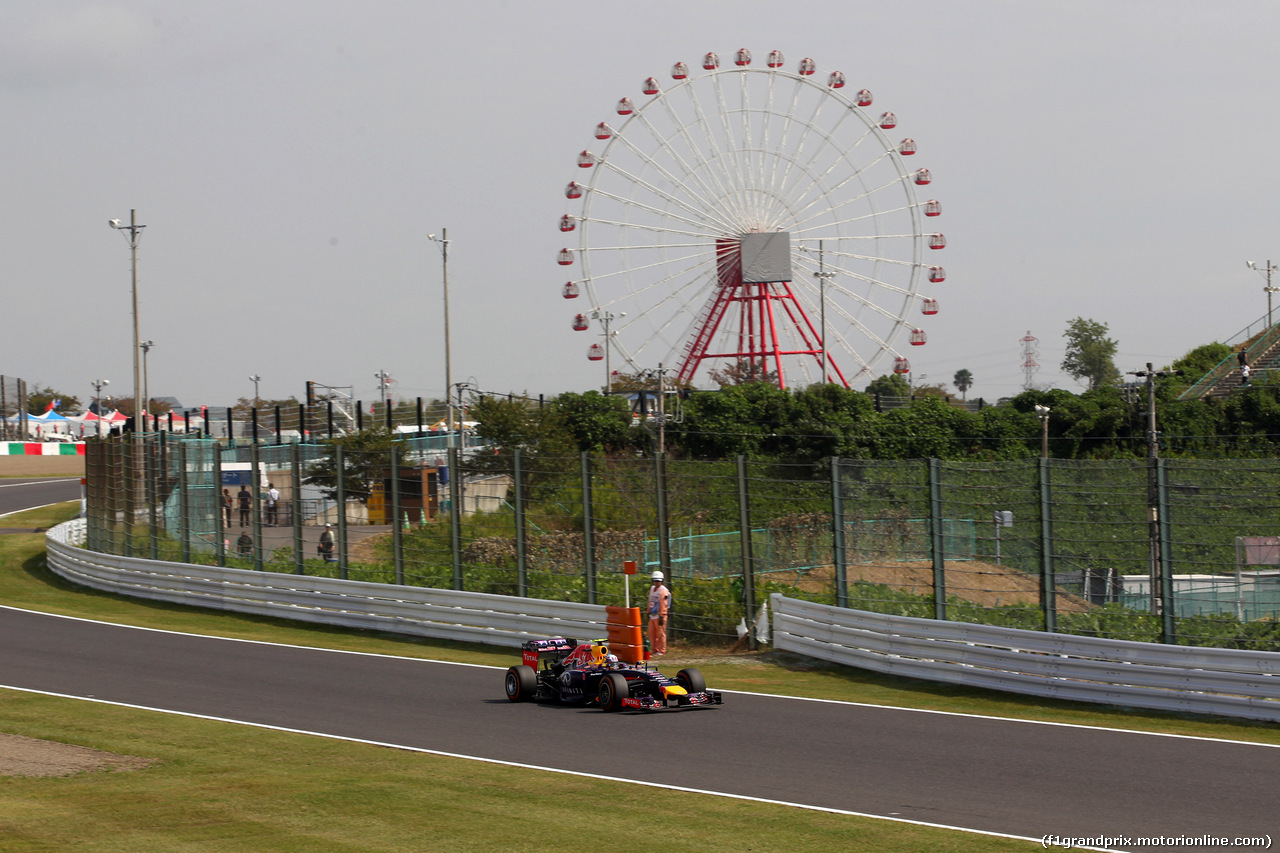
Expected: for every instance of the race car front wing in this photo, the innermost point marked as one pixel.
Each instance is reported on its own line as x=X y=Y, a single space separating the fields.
x=648 y=703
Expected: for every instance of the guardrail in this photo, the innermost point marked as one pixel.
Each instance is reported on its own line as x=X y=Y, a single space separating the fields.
x=1229 y=682
x=470 y=617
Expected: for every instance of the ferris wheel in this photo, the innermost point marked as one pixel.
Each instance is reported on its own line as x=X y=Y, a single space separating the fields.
x=755 y=218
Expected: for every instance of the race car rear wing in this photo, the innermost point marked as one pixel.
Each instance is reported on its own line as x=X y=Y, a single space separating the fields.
x=536 y=650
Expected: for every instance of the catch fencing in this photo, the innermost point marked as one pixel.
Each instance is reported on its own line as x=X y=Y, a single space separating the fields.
x=13 y=408
x=1066 y=546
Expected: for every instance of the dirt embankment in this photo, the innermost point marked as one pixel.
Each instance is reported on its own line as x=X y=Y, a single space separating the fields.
x=982 y=583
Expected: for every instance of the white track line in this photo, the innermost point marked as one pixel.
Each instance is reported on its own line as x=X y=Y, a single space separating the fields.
x=519 y=765
x=781 y=696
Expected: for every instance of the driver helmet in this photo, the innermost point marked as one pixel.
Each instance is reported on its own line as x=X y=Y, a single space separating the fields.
x=611 y=661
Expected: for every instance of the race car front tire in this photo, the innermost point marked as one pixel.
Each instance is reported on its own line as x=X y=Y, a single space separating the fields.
x=613 y=689
x=521 y=683
x=691 y=680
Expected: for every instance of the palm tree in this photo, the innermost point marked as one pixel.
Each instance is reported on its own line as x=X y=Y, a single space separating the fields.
x=964 y=381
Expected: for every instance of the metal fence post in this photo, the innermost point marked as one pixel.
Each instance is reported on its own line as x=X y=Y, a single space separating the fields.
x=397 y=532
x=664 y=532
x=295 y=472
x=184 y=502
x=154 y=497
x=588 y=530
x=748 y=557
x=219 y=513
x=522 y=566
x=840 y=558
x=127 y=452
x=342 y=510
x=936 y=542
x=1048 y=583
x=255 y=522
x=1168 y=633
x=455 y=516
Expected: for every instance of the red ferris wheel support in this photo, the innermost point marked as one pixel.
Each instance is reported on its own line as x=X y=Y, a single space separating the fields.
x=757 y=308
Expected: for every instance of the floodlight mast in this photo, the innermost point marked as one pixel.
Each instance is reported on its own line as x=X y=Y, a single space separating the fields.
x=443 y=242
x=1266 y=273
x=1159 y=579
x=132 y=232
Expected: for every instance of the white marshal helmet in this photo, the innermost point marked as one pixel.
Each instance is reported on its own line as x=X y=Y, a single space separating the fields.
x=657 y=576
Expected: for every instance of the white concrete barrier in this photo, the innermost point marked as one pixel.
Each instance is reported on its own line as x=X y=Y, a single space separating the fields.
x=471 y=617
x=1229 y=682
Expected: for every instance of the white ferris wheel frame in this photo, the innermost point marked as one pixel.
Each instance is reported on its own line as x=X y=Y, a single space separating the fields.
x=684 y=170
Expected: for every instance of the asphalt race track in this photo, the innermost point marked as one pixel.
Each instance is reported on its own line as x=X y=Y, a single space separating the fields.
x=19 y=494
x=998 y=776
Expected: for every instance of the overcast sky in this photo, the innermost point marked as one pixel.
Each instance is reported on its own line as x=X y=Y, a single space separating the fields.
x=1111 y=160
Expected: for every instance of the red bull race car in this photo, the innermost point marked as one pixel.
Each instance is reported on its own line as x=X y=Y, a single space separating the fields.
x=564 y=670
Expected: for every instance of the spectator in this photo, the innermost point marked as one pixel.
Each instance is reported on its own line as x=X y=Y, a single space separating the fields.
x=246 y=503
x=326 y=544
x=273 y=504
x=659 y=608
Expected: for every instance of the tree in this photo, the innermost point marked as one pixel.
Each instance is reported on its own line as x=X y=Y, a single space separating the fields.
x=596 y=421
x=1197 y=364
x=937 y=390
x=752 y=419
x=890 y=385
x=366 y=461
x=38 y=400
x=743 y=372
x=1090 y=353
x=646 y=380
x=244 y=407
x=124 y=405
x=963 y=381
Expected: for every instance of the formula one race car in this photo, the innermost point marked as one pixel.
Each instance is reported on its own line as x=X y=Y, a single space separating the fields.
x=563 y=670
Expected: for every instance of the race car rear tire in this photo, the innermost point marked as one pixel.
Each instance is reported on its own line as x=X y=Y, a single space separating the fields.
x=613 y=689
x=521 y=683
x=691 y=680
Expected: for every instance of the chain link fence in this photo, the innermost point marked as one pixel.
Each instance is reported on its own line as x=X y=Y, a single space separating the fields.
x=1128 y=549
x=13 y=409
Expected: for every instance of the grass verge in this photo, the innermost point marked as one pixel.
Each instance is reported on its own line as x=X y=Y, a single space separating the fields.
x=218 y=786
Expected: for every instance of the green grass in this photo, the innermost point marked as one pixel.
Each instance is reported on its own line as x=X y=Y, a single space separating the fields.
x=220 y=786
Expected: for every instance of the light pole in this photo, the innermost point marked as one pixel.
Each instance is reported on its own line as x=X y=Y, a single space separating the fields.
x=255 y=379
x=146 y=387
x=823 y=276
x=384 y=388
x=607 y=317
x=1265 y=272
x=97 y=399
x=1159 y=582
x=132 y=232
x=1042 y=412
x=443 y=242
